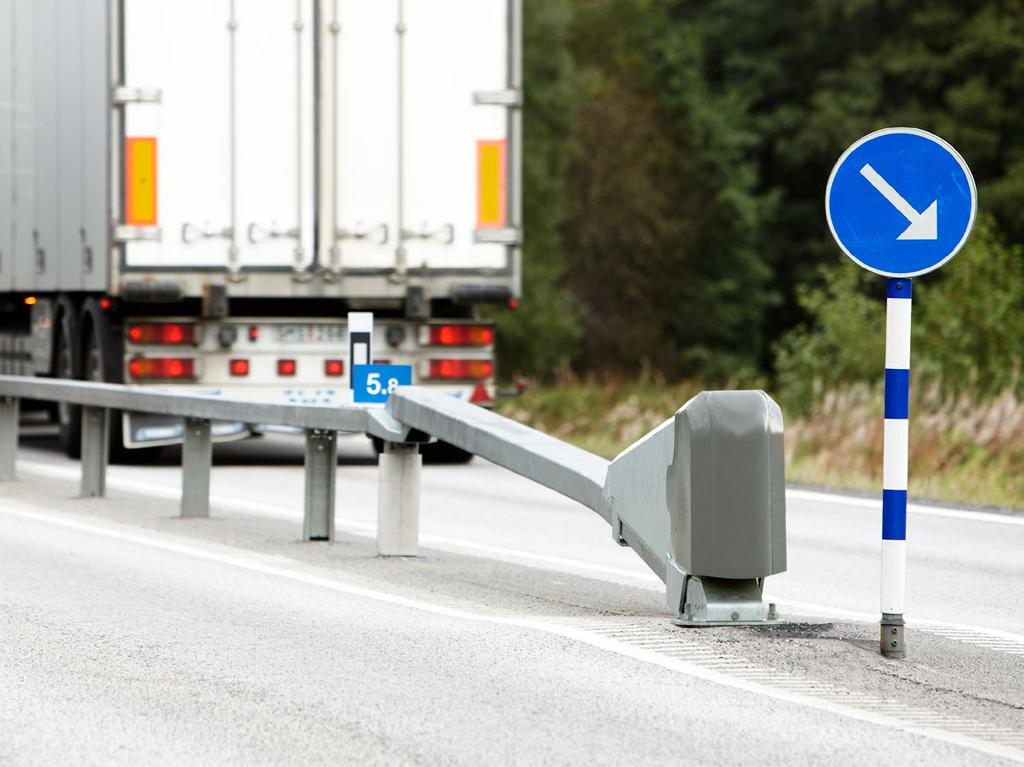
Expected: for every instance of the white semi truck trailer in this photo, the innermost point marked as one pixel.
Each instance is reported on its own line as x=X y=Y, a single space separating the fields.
x=195 y=193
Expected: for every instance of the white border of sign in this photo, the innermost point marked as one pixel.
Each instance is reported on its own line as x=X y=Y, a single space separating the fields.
x=923 y=134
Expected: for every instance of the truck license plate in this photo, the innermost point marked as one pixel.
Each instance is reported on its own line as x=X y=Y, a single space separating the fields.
x=307 y=334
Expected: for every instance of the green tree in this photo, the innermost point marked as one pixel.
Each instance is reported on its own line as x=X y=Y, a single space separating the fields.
x=968 y=327
x=815 y=76
x=677 y=153
x=544 y=330
x=664 y=223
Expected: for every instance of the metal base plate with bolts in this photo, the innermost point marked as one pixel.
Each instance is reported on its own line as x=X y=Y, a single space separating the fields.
x=892 y=639
x=723 y=602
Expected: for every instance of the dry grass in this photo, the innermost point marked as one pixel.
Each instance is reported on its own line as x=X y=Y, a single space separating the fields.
x=960 y=450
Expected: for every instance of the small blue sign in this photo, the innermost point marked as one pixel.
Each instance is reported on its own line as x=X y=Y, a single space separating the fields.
x=374 y=383
x=901 y=202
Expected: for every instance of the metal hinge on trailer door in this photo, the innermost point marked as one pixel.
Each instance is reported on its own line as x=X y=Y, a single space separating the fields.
x=127 y=233
x=509 y=97
x=505 y=236
x=125 y=94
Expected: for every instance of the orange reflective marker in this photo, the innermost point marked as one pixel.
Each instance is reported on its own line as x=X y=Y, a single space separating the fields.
x=140 y=181
x=490 y=184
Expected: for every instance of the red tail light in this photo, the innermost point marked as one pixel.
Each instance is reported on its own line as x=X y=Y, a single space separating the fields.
x=239 y=367
x=165 y=333
x=286 y=367
x=461 y=369
x=254 y=333
x=168 y=368
x=334 y=368
x=461 y=335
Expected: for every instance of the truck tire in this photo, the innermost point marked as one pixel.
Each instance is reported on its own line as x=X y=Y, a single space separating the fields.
x=102 y=362
x=66 y=366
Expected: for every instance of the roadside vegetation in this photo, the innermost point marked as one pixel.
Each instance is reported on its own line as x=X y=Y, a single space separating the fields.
x=961 y=450
x=675 y=232
x=967 y=394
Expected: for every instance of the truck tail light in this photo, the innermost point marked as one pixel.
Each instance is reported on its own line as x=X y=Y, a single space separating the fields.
x=164 y=333
x=334 y=368
x=490 y=184
x=239 y=368
x=140 y=181
x=461 y=335
x=286 y=367
x=461 y=369
x=164 y=368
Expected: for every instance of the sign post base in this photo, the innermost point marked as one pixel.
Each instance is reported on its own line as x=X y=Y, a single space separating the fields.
x=891 y=641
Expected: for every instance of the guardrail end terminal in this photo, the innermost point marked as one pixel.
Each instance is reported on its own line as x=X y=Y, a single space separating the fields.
x=702 y=500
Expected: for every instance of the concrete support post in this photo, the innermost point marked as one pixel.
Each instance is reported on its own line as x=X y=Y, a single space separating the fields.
x=196 y=455
x=398 y=500
x=321 y=464
x=8 y=436
x=95 y=448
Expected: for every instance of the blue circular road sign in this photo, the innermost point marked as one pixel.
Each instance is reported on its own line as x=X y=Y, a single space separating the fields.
x=901 y=202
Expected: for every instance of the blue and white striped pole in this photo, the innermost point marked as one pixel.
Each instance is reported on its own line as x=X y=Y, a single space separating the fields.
x=894 y=468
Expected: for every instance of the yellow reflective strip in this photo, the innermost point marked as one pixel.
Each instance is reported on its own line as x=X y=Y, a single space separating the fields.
x=490 y=184
x=140 y=181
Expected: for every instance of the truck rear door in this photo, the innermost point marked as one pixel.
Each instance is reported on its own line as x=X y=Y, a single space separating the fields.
x=217 y=143
x=417 y=161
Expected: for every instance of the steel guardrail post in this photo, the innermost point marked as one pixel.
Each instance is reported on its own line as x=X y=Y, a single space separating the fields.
x=320 y=466
x=196 y=456
x=8 y=436
x=95 y=447
x=398 y=500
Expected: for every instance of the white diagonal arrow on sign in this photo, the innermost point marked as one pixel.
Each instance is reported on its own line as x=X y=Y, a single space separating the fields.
x=923 y=226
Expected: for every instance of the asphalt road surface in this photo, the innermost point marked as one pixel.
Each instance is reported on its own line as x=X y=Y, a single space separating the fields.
x=521 y=635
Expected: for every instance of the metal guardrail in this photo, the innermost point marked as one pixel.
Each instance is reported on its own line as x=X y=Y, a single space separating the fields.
x=321 y=425
x=701 y=498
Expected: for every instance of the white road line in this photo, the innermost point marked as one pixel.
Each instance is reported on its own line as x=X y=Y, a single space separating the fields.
x=814 y=496
x=255 y=563
x=638 y=578
x=913 y=508
x=354 y=527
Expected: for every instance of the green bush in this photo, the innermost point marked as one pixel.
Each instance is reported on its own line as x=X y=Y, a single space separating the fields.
x=968 y=328
x=970 y=318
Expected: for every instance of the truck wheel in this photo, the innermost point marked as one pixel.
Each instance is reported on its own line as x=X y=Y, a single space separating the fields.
x=95 y=367
x=69 y=417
